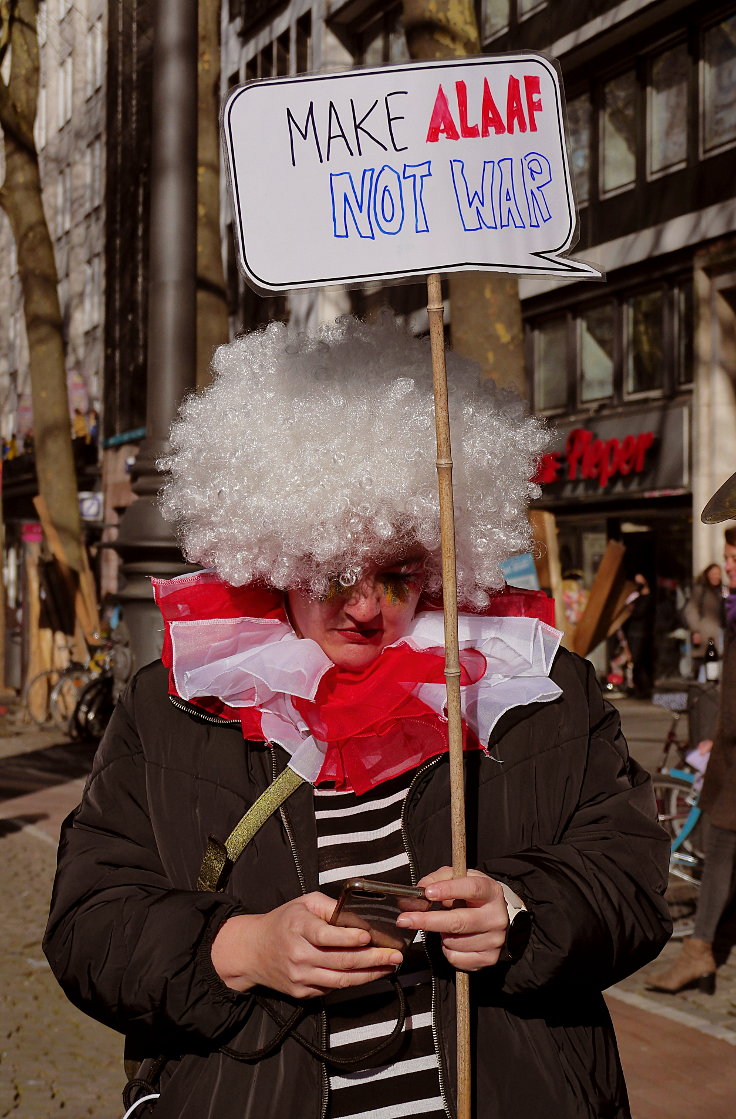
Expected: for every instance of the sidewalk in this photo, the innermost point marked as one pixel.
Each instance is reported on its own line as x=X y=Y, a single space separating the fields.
x=678 y=1052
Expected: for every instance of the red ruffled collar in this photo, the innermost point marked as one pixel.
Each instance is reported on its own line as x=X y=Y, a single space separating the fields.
x=373 y=724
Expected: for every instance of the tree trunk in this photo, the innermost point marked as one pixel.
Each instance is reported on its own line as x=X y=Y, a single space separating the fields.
x=485 y=309
x=212 y=319
x=21 y=200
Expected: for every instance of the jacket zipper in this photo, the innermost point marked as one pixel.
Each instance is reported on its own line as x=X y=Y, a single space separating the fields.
x=413 y=870
x=323 y=1013
x=192 y=709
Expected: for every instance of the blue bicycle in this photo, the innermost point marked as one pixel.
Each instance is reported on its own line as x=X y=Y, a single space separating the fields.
x=676 y=789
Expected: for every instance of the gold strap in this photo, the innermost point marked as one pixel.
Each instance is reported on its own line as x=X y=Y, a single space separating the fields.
x=218 y=857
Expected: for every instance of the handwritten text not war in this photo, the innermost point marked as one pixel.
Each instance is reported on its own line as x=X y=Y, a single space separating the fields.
x=493 y=194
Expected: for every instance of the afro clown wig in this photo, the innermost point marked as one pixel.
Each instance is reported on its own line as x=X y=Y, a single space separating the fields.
x=311 y=456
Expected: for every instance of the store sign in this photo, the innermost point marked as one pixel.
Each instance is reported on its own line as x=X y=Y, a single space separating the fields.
x=401 y=171
x=634 y=452
x=586 y=456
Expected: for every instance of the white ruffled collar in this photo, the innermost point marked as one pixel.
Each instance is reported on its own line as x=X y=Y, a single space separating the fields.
x=261 y=663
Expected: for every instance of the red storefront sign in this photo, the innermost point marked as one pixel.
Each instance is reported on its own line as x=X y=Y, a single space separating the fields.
x=586 y=456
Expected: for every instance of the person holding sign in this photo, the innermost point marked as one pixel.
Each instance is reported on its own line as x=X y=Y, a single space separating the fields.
x=303 y=673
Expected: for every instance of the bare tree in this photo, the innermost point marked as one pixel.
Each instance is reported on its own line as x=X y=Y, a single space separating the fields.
x=486 y=312
x=212 y=324
x=21 y=199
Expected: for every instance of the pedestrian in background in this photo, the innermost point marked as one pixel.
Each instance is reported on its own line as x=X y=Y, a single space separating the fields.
x=704 y=614
x=639 y=632
x=696 y=965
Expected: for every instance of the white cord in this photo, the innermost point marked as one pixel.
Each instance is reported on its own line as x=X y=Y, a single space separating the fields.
x=137 y=1103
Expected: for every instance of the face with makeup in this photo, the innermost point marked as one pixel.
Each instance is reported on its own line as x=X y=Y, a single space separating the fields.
x=354 y=624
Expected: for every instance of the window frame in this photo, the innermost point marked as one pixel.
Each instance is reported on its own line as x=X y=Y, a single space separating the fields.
x=704 y=29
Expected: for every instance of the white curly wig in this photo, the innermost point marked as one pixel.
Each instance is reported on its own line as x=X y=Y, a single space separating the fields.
x=311 y=456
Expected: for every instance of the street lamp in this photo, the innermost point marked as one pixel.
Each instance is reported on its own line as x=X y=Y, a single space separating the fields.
x=145 y=543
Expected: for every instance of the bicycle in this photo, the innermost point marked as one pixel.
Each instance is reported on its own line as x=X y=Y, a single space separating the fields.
x=677 y=790
x=51 y=696
x=96 y=700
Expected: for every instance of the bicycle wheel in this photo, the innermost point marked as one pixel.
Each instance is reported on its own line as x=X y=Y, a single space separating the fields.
x=36 y=696
x=677 y=809
x=65 y=694
x=94 y=708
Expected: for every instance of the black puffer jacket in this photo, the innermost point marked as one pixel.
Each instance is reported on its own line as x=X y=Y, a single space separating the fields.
x=559 y=811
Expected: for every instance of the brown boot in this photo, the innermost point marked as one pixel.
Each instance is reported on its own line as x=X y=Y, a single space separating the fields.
x=694 y=967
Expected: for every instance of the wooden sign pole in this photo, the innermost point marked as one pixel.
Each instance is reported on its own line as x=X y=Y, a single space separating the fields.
x=435 y=311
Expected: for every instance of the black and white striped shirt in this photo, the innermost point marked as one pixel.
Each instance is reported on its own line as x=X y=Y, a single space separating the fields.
x=360 y=836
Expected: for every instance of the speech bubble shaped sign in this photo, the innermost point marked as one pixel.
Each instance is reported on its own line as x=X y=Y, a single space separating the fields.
x=401 y=171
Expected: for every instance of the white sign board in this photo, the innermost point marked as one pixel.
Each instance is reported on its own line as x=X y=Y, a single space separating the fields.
x=401 y=171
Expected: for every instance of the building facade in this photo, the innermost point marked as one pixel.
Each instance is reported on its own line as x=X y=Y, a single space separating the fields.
x=636 y=376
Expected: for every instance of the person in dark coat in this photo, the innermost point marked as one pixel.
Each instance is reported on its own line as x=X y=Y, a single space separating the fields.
x=309 y=664
x=695 y=964
x=639 y=632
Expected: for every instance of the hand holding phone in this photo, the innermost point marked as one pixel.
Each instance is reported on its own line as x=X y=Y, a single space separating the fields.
x=367 y=903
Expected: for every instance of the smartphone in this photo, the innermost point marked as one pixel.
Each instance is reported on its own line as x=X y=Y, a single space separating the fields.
x=366 y=903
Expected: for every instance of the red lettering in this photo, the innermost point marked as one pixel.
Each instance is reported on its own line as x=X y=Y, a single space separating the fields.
x=490 y=118
x=549 y=468
x=468 y=131
x=592 y=458
x=609 y=461
x=533 y=99
x=441 y=122
x=643 y=443
x=626 y=454
x=514 y=109
x=577 y=441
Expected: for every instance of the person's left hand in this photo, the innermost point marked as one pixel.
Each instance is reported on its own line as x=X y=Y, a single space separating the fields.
x=472 y=935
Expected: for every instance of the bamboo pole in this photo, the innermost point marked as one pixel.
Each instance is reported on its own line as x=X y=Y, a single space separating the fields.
x=435 y=311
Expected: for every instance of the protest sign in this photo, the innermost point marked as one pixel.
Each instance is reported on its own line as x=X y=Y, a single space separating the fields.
x=402 y=171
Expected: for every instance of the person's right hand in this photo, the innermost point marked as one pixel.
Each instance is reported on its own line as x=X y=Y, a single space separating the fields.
x=696 y=638
x=294 y=950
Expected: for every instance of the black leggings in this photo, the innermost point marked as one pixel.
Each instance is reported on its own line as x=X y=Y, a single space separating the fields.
x=717 y=886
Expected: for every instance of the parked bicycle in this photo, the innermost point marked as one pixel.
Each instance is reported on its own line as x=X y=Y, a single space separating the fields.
x=51 y=696
x=79 y=699
x=676 y=788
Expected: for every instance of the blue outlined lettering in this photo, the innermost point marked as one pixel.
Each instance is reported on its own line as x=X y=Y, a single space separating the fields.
x=536 y=173
x=418 y=172
x=508 y=207
x=476 y=209
x=388 y=201
x=345 y=199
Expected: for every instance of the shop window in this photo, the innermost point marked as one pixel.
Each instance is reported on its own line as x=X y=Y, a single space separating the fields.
x=579 y=120
x=645 y=343
x=667 y=118
x=550 y=364
x=596 y=339
x=618 y=133
x=719 y=86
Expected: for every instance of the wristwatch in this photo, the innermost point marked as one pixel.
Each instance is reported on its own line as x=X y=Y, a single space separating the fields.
x=520 y=926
